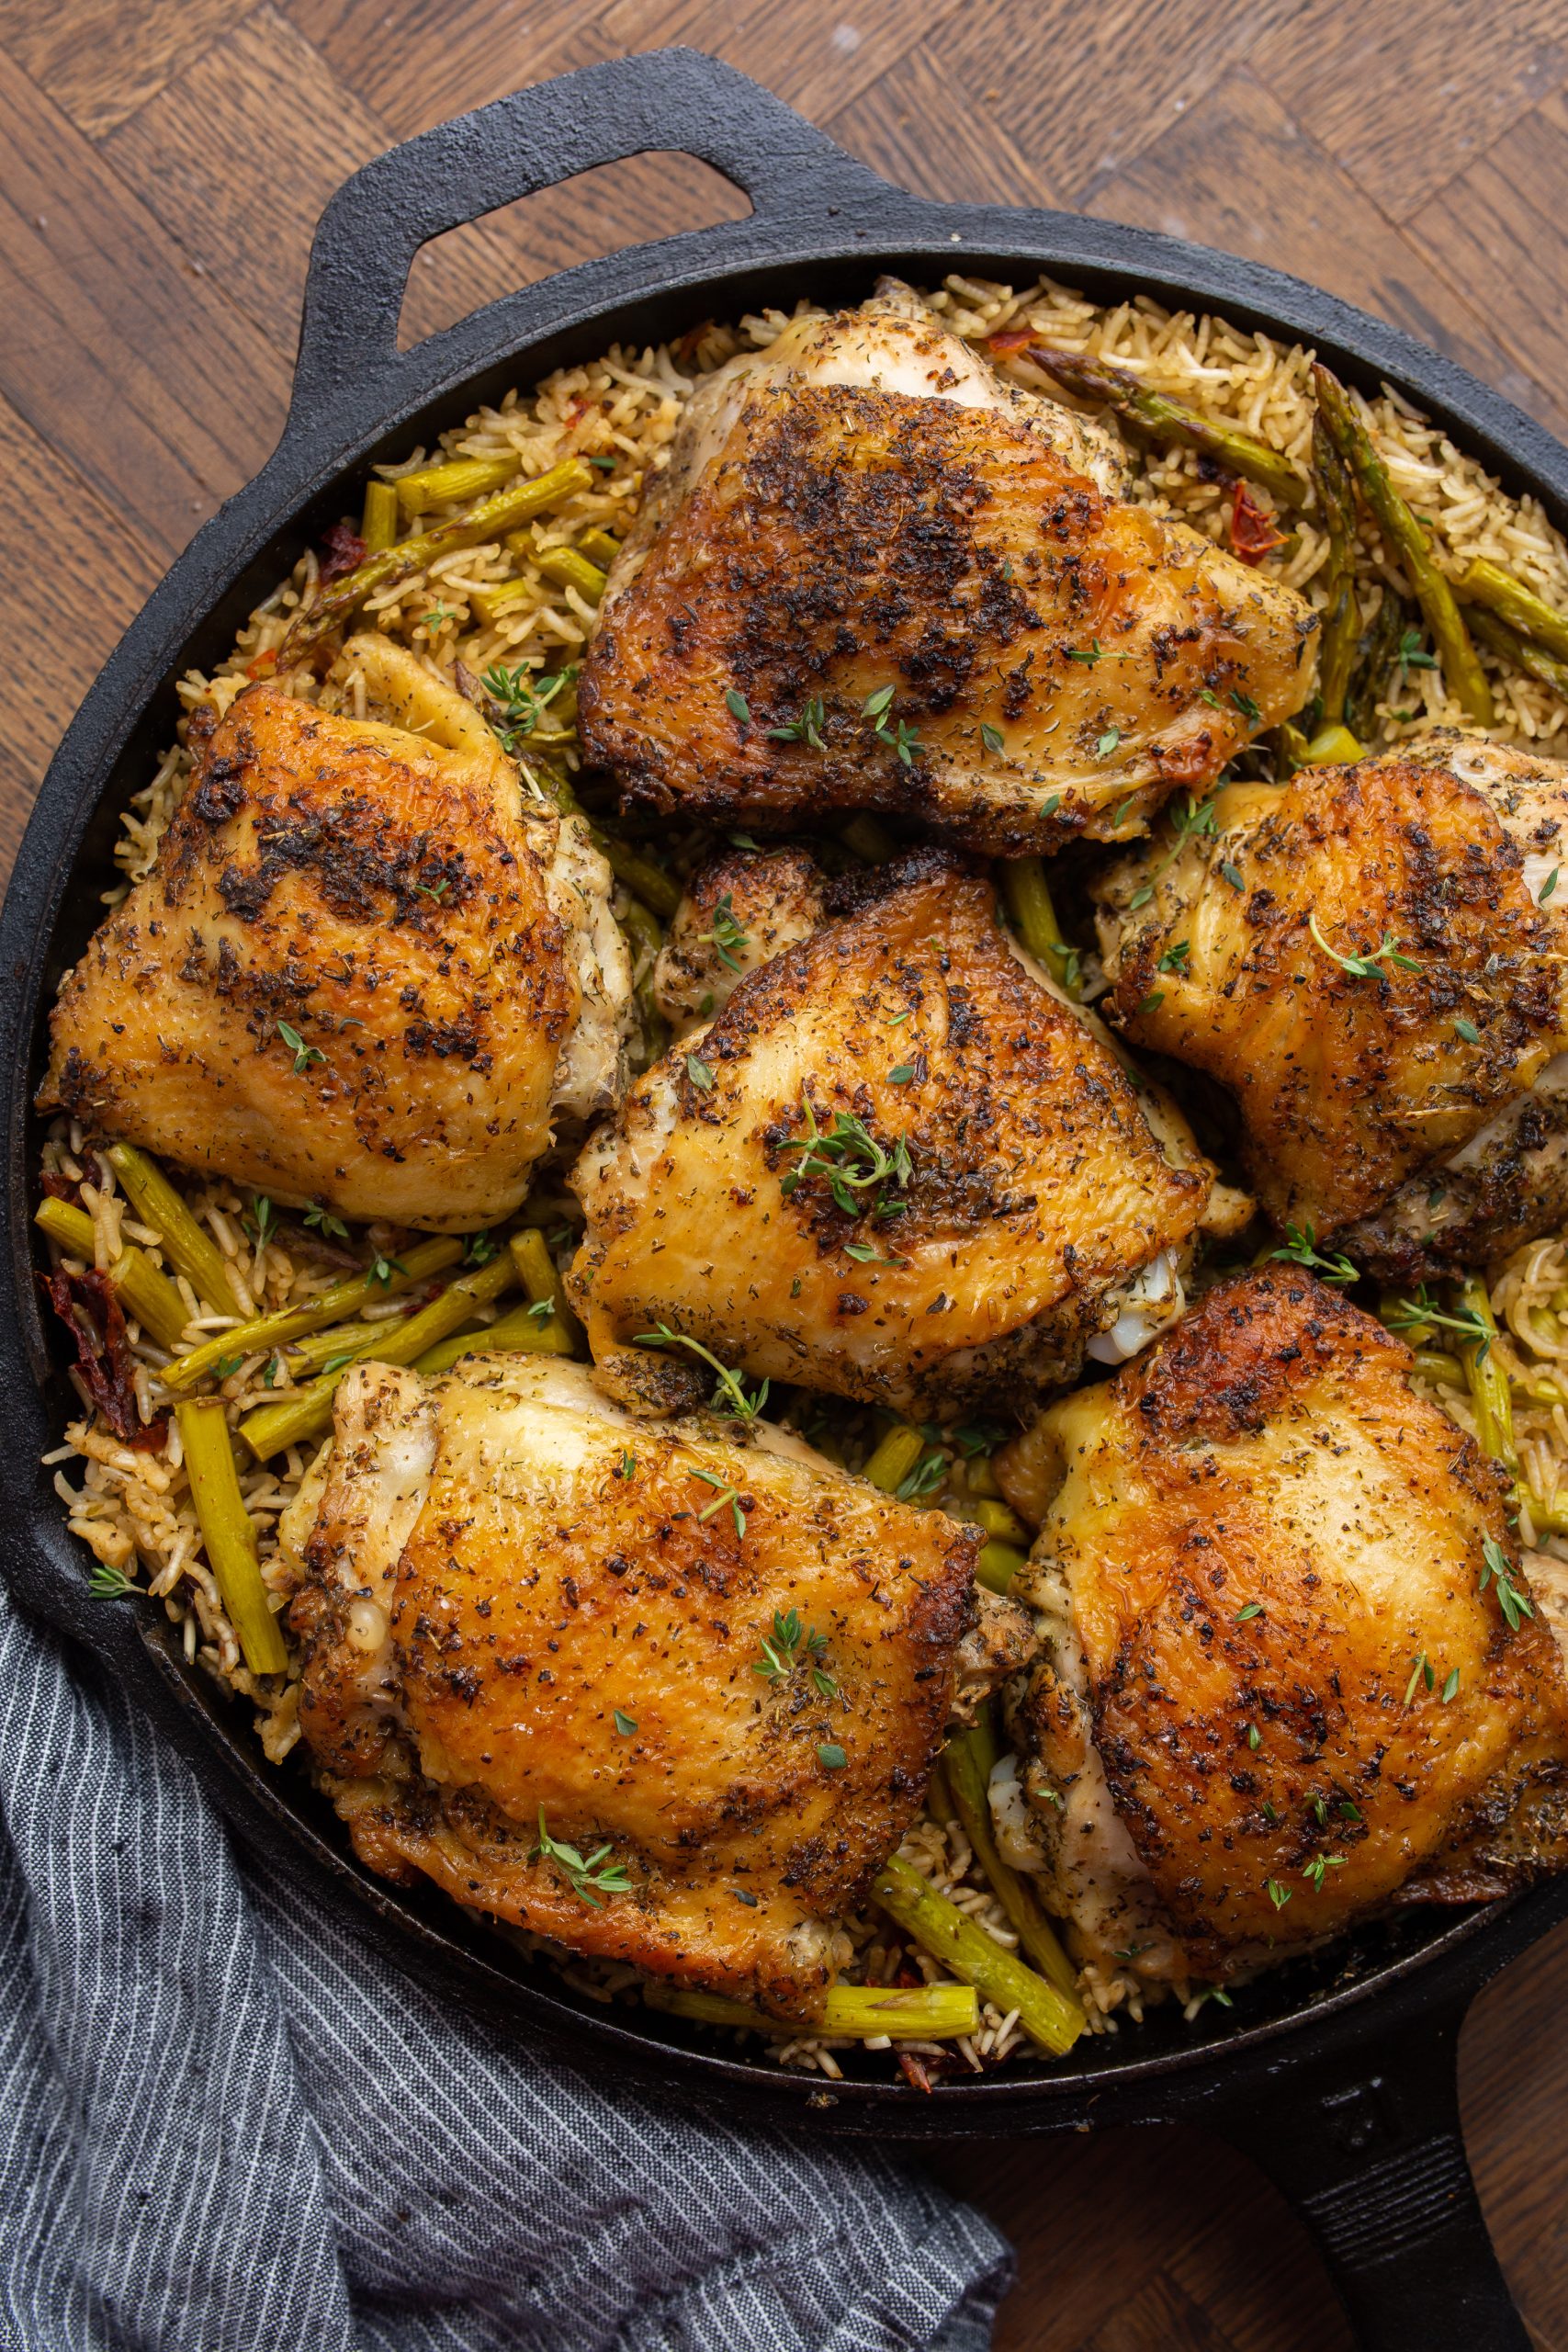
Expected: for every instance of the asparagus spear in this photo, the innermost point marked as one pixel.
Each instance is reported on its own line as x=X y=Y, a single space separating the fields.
x=970 y=1758
x=1403 y=537
x=1028 y=896
x=492 y=603
x=521 y=1332
x=1532 y=618
x=998 y=1517
x=155 y=1303
x=921 y=2012
x=489 y=519
x=1531 y=659
x=228 y=1532
x=570 y=569
x=1291 y=750
x=319 y=1349
x=642 y=878
x=1488 y=1381
x=537 y=1273
x=456 y=478
x=600 y=546
x=1342 y=616
x=866 y=838
x=998 y=1976
x=1332 y=747
x=297 y=1418
x=1164 y=419
x=378 y=528
x=1373 y=666
x=645 y=937
x=894 y=1458
x=998 y=1564
x=335 y=1305
x=185 y=1244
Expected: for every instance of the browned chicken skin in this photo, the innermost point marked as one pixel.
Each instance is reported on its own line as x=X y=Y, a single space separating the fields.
x=522 y=1605
x=1415 y=1111
x=1034 y=1197
x=360 y=973
x=1284 y=1689
x=740 y=911
x=867 y=509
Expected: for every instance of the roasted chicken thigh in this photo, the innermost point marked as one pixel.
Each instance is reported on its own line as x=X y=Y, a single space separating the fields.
x=896 y=1166
x=1373 y=960
x=1294 y=1671
x=876 y=575
x=663 y=1694
x=363 y=971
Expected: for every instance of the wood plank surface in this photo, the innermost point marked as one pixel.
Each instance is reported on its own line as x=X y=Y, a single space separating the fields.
x=162 y=163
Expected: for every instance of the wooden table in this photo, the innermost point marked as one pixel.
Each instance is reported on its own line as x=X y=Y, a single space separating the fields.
x=161 y=165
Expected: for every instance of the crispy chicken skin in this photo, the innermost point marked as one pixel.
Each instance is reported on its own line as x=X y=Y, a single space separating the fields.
x=360 y=973
x=1037 y=1199
x=1416 y=1114
x=522 y=1604
x=867 y=505
x=1257 y=1531
x=736 y=913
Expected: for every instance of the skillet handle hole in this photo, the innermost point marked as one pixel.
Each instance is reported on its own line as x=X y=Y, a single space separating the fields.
x=632 y=202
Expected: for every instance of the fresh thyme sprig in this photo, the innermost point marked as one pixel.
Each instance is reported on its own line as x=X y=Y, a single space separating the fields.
x=521 y=700
x=1367 y=967
x=731 y=1396
x=806 y=728
x=262 y=1221
x=726 y=1494
x=1319 y=1865
x=592 y=1878
x=900 y=737
x=1301 y=1246
x=304 y=1055
x=1411 y=1314
x=1512 y=1598
x=782 y=1650
x=924 y=1478
x=1189 y=823
x=850 y=1160
x=332 y=1228
x=726 y=935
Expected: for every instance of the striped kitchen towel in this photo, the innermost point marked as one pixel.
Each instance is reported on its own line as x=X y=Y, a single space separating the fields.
x=227 y=2121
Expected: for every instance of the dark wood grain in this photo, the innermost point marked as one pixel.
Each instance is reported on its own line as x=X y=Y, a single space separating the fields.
x=162 y=163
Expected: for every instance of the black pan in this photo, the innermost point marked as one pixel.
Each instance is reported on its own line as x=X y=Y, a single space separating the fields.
x=1337 y=2074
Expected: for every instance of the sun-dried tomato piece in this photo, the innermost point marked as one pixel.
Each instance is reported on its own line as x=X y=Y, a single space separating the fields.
x=88 y=1306
x=344 y=552
x=1007 y=339
x=915 y=2070
x=1255 y=532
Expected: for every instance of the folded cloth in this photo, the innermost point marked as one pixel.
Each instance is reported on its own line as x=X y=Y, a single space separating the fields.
x=227 y=2120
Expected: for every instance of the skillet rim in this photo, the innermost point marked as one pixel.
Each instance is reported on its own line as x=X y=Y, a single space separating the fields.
x=818 y=212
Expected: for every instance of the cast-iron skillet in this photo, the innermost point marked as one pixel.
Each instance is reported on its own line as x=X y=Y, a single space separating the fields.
x=1337 y=2074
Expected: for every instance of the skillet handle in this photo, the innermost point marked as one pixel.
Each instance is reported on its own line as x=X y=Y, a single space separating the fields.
x=668 y=99
x=1366 y=2144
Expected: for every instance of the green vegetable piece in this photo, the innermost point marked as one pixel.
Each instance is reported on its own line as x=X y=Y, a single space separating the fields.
x=228 y=1532
x=1405 y=539
x=1046 y=2014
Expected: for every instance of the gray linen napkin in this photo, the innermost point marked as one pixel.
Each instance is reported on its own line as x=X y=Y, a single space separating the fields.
x=226 y=2121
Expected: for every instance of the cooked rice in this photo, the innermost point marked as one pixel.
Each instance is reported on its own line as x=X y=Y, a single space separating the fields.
x=133 y=1509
